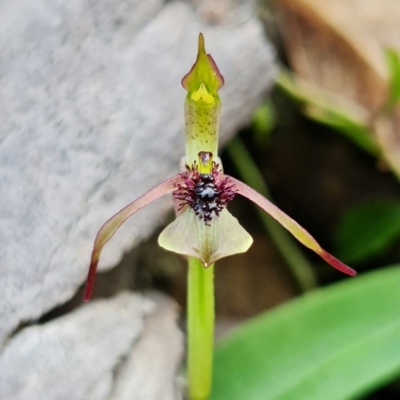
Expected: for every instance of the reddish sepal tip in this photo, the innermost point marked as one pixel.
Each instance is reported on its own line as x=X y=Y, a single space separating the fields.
x=87 y=296
x=329 y=258
x=90 y=282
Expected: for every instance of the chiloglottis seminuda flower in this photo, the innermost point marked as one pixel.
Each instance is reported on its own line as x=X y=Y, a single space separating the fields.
x=204 y=228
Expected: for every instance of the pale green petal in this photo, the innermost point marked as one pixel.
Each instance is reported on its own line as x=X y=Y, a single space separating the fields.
x=189 y=235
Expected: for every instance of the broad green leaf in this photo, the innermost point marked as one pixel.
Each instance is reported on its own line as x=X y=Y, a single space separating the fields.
x=367 y=230
x=393 y=63
x=331 y=344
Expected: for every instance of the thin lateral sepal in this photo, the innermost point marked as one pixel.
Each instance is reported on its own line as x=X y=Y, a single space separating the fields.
x=290 y=224
x=111 y=226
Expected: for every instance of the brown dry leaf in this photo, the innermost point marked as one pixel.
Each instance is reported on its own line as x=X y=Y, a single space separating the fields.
x=338 y=45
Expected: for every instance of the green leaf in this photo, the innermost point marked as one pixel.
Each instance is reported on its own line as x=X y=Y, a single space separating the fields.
x=367 y=230
x=393 y=63
x=334 y=343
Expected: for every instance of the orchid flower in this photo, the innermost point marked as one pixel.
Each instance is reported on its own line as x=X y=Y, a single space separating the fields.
x=204 y=228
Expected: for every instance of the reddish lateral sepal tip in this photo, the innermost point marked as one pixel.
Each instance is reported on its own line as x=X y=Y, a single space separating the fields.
x=90 y=281
x=330 y=259
x=107 y=231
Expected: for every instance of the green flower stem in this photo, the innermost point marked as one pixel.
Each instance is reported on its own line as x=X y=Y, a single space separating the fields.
x=200 y=326
x=299 y=266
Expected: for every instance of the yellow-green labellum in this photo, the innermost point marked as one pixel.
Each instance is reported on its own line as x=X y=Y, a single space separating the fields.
x=189 y=235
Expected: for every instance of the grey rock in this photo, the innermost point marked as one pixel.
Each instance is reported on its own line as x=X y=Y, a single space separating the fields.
x=91 y=117
x=149 y=371
x=75 y=356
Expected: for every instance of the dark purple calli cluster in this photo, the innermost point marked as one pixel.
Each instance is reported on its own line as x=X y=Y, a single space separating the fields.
x=206 y=193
